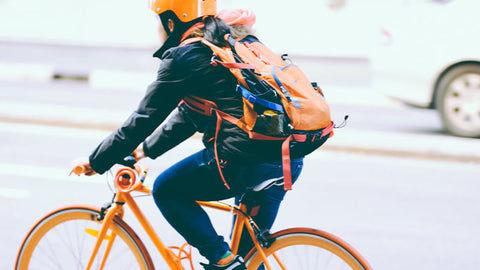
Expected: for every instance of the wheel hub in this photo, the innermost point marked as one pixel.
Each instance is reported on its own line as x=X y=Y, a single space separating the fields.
x=462 y=101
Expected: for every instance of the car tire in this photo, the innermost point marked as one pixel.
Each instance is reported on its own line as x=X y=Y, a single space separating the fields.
x=457 y=99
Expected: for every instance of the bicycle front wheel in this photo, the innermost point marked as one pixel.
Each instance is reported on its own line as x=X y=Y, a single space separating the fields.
x=64 y=239
x=307 y=249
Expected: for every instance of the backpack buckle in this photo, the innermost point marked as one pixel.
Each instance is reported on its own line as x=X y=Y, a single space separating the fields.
x=213 y=60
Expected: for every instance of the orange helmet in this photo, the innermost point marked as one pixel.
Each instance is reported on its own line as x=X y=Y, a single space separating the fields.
x=185 y=10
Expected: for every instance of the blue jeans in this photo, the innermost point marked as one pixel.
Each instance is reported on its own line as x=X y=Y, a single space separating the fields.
x=196 y=178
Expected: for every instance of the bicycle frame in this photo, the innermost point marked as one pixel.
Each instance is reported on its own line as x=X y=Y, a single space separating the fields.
x=125 y=182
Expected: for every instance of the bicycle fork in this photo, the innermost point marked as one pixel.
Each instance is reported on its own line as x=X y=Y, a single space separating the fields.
x=101 y=235
x=119 y=200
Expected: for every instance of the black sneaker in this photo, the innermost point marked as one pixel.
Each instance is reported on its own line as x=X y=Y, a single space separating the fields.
x=236 y=264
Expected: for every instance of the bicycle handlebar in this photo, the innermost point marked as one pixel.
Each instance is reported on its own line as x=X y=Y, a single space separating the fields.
x=125 y=178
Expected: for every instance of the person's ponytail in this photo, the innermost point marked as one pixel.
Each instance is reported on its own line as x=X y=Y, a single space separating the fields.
x=215 y=29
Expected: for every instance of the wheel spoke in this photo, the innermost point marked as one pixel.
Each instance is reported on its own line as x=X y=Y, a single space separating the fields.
x=60 y=241
x=300 y=250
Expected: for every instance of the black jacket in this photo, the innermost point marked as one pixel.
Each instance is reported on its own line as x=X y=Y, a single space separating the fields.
x=185 y=70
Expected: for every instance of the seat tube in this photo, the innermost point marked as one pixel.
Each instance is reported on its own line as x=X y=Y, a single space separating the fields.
x=238 y=228
x=237 y=233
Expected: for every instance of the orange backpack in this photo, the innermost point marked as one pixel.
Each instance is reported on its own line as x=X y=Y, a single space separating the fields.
x=279 y=102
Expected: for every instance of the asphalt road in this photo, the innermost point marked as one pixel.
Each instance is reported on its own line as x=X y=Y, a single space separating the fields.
x=400 y=213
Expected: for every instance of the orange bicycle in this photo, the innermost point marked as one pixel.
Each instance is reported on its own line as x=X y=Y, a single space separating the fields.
x=88 y=237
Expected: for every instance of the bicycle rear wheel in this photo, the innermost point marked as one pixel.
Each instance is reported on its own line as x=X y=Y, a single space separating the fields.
x=64 y=239
x=304 y=248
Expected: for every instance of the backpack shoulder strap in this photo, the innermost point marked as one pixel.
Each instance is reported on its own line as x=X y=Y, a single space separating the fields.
x=190 y=41
x=227 y=60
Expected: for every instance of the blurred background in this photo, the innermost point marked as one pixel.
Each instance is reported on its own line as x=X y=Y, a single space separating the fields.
x=399 y=182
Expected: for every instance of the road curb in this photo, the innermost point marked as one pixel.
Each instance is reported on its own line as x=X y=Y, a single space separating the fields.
x=344 y=141
x=395 y=144
x=430 y=155
x=39 y=73
x=13 y=72
x=97 y=78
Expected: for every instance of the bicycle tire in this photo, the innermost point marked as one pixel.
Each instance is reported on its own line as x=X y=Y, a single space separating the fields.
x=305 y=248
x=63 y=240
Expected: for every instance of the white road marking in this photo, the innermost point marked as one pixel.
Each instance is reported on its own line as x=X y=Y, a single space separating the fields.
x=73 y=133
x=14 y=193
x=53 y=131
x=48 y=173
x=68 y=113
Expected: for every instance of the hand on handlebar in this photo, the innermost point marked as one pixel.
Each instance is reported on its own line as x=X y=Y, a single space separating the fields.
x=82 y=167
x=133 y=158
x=139 y=153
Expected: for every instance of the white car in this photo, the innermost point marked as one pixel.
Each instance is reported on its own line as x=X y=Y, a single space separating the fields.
x=429 y=56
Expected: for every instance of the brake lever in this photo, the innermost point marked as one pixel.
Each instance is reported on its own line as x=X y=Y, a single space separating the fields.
x=129 y=161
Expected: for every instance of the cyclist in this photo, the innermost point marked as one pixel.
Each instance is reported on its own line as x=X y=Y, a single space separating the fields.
x=245 y=163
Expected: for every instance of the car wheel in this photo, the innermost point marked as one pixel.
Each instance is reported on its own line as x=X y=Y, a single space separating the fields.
x=458 y=100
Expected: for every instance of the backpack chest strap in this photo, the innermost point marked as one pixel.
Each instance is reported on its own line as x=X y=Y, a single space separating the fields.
x=199 y=105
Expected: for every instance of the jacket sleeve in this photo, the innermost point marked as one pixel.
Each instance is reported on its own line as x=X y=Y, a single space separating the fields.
x=162 y=96
x=181 y=124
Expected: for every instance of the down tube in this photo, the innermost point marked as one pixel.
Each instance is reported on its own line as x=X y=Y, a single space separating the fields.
x=151 y=232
